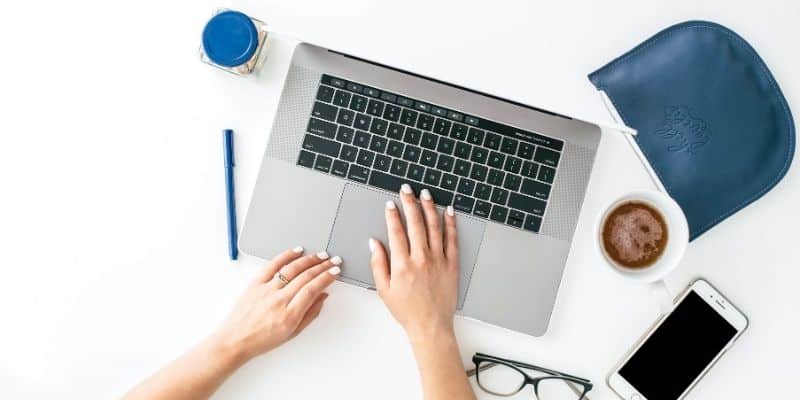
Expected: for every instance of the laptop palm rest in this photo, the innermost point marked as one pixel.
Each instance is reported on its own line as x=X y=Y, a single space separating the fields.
x=361 y=216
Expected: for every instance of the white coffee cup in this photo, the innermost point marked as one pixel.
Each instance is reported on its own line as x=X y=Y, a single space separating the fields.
x=677 y=236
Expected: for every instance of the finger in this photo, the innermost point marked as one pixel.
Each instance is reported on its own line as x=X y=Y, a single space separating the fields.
x=276 y=263
x=417 y=236
x=450 y=236
x=294 y=268
x=380 y=265
x=398 y=242
x=432 y=221
x=311 y=314
x=306 y=276
x=306 y=295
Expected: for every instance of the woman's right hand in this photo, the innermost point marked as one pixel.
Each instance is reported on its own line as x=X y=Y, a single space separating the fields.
x=419 y=281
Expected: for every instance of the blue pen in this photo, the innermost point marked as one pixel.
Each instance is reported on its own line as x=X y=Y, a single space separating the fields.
x=227 y=140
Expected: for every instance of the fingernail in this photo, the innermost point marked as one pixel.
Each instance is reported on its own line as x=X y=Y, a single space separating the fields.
x=371 y=244
x=450 y=211
x=336 y=260
x=334 y=271
x=425 y=194
x=390 y=205
x=406 y=188
x=322 y=255
x=298 y=249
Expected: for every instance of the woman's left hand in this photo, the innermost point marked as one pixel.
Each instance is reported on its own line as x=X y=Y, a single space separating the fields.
x=271 y=312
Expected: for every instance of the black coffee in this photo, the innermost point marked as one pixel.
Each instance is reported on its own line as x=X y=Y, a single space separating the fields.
x=634 y=235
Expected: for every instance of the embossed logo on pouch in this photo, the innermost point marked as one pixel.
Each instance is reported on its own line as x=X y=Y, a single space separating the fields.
x=683 y=131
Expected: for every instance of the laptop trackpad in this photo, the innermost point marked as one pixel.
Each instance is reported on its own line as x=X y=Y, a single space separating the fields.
x=361 y=216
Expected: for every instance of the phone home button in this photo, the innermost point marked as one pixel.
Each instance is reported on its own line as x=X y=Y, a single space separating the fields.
x=636 y=397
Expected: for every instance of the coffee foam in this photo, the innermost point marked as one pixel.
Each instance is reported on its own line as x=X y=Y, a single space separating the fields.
x=634 y=235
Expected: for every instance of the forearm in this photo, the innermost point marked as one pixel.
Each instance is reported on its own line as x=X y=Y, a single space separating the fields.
x=439 y=362
x=195 y=375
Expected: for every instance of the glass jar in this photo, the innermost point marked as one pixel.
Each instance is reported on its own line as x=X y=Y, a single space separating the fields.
x=232 y=41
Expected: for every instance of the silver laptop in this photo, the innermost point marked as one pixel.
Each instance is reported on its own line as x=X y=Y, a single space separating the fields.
x=348 y=132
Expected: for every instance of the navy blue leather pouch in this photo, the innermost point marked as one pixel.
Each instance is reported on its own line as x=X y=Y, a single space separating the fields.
x=711 y=120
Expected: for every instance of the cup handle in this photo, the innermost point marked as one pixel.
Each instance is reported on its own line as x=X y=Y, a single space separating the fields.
x=664 y=297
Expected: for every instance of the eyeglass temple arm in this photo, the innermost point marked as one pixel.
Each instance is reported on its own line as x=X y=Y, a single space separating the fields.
x=578 y=391
x=472 y=371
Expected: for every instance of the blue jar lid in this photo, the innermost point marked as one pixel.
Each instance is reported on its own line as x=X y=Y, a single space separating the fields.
x=230 y=39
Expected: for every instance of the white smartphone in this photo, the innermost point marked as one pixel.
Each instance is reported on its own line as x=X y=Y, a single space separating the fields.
x=681 y=347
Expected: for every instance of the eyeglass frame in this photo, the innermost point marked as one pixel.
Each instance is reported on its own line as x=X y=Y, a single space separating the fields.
x=570 y=380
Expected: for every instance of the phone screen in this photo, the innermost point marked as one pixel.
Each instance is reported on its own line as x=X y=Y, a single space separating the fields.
x=679 y=350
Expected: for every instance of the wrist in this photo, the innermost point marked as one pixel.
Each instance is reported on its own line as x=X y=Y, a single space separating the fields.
x=430 y=332
x=226 y=351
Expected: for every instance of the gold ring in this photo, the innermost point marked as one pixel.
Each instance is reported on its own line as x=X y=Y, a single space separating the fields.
x=282 y=278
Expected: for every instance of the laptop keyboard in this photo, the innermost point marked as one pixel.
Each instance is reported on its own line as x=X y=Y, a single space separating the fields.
x=381 y=139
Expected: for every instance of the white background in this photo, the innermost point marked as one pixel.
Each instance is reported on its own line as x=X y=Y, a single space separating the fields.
x=112 y=219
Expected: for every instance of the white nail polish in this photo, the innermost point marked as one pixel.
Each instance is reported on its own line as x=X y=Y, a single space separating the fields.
x=298 y=249
x=371 y=245
x=406 y=188
x=390 y=205
x=322 y=255
x=334 y=271
x=450 y=211
x=336 y=260
x=425 y=194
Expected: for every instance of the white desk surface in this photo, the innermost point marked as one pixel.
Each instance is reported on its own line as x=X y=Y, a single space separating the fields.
x=112 y=222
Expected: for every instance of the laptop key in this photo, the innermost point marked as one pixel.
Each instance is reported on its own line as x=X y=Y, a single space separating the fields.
x=324 y=111
x=466 y=186
x=395 y=131
x=382 y=163
x=354 y=87
x=358 y=103
x=408 y=117
x=371 y=92
x=388 y=97
x=441 y=127
x=536 y=189
x=432 y=177
x=525 y=150
x=527 y=204
x=428 y=140
x=463 y=203
x=345 y=134
x=365 y=157
x=499 y=196
x=393 y=183
x=361 y=139
x=323 y=164
x=529 y=169
x=496 y=177
x=482 y=209
x=515 y=218
x=461 y=168
x=449 y=182
x=479 y=173
x=340 y=168
x=411 y=153
x=475 y=136
x=320 y=145
x=362 y=122
x=445 y=145
x=483 y=191
x=405 y=102
x=458 y=131
x=391 y=112
x=428 y=158
x=346 y=117
x=496 y=160
x=358 y=173
x=546 y=174
x=325 y=93
x=322 y=128
x=445 y=163
x=306 y=159
x=422 y=106
x=462 y=150
x=379 y=126
x=547 y=156
x=513 y=164
x=479 y=155
x=532 y=223
x=425 y=122
x=416 y=172
x=509 y=146
x=512 y=182
x=492 y=141
x=349 y=153
x=499 y=213
x=377 y=144
x=375 y=107
x=412 y=136
x=395 y=148
x=341 y=98
x=399 y=167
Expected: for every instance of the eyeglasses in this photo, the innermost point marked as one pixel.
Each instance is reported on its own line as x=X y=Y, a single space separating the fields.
x=505 y=378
